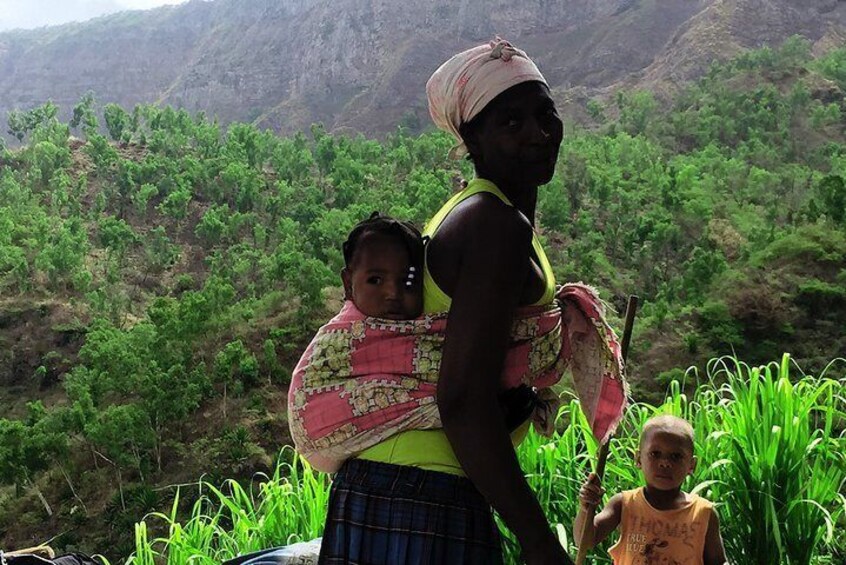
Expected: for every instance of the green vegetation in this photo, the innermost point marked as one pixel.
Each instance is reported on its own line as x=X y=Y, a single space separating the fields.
x=289 y=506
x=160 y=274
x=772 y=452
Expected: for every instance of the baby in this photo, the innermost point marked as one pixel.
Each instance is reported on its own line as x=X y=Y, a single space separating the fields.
x=383 y=268
x=659 y=523
x=383 y=278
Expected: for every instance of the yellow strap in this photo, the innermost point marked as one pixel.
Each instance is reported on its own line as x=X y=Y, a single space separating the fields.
x=434 y=298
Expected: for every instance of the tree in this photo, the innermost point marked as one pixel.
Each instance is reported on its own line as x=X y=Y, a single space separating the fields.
x=118 y=122
x=63 y=255
x=833 y=66
x=823 y=115
x=101 y=152
x=176 y=203
x=233 y=365
x=832 y=193
x=161 y=253
x=117 y=237
x=246 y=144
x=595 y=111
x=324 y=148
x=84 y=115
x=143 y=196
x=212 y=226
x=23 y=122
x=27 y=448
x=121 y=433
x=167 y=396
x=636 y=110
x=18 y=125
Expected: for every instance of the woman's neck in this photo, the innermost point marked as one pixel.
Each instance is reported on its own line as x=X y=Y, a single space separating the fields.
x=523 y=197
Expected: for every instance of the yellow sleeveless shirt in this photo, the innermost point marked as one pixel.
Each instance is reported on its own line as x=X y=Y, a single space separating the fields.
x=430 y=449
x=648 y=535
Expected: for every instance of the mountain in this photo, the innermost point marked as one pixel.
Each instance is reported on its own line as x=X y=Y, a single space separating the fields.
x=361 y=65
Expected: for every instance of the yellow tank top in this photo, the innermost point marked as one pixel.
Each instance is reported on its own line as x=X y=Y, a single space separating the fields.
x=430 y=449
x=648 y=535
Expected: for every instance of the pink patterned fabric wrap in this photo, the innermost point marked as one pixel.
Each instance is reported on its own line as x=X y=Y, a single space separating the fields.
x=363 y=379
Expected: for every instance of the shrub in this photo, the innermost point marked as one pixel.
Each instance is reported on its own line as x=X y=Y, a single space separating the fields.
x=718 y=326
x=820 y=297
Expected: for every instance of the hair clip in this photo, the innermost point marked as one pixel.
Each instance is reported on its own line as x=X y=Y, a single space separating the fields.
x=409 y=278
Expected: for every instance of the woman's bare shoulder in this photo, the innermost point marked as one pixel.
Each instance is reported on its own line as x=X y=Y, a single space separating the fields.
x=481 y=217
x=481 y=231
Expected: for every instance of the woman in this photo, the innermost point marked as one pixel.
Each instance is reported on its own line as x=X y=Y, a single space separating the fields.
x=426 y=496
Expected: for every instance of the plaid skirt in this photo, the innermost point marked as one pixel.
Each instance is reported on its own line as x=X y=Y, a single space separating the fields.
x=383 y=514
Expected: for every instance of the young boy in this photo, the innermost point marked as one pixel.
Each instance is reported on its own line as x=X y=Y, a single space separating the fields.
x=383 y=275
x=659 y=523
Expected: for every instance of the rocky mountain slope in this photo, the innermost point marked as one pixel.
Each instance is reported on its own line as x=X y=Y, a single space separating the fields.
x=361 y=65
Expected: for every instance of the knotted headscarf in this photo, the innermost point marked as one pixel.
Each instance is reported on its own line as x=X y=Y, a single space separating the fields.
x=468 y=81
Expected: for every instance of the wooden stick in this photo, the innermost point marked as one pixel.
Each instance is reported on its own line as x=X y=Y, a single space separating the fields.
x=602 y=455
x=631 y=310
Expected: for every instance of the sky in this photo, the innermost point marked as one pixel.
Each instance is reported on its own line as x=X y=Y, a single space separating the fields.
x=28 y=14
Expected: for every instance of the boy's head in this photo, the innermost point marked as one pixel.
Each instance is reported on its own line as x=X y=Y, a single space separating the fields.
x=666 y=452
x=383 y=273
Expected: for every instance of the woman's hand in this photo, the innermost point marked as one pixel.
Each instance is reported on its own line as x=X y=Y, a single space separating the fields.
x=546 y=553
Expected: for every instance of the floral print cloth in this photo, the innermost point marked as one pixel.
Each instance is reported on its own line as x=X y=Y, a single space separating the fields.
x=363 y=379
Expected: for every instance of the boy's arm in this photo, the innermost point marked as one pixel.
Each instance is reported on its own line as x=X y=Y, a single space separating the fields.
x=603 y=523
x=715 y=553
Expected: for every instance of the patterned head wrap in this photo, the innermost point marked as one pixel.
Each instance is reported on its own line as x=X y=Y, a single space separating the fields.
x=467 y=82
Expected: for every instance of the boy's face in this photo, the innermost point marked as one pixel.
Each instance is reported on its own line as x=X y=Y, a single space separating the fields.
x=665 y=458
x=377 y=281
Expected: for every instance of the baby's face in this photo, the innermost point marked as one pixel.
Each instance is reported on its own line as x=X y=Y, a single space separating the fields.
x=378 y=280
x=666 y=459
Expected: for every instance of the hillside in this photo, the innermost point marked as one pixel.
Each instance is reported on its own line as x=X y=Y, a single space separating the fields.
x=159 y=284
x=360 y=65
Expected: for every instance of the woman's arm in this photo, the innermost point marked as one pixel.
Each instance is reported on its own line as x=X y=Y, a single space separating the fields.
x=492 y=269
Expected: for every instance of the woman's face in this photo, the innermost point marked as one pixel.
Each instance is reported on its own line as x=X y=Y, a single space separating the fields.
x=515 y=139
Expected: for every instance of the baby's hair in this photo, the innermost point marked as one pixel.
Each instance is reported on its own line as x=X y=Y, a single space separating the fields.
x=672 y=424
x=405 y=232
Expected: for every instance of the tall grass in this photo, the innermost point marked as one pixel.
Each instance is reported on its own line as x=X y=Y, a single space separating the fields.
x=781 y=486
x=771 y=452
x=225 y=522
